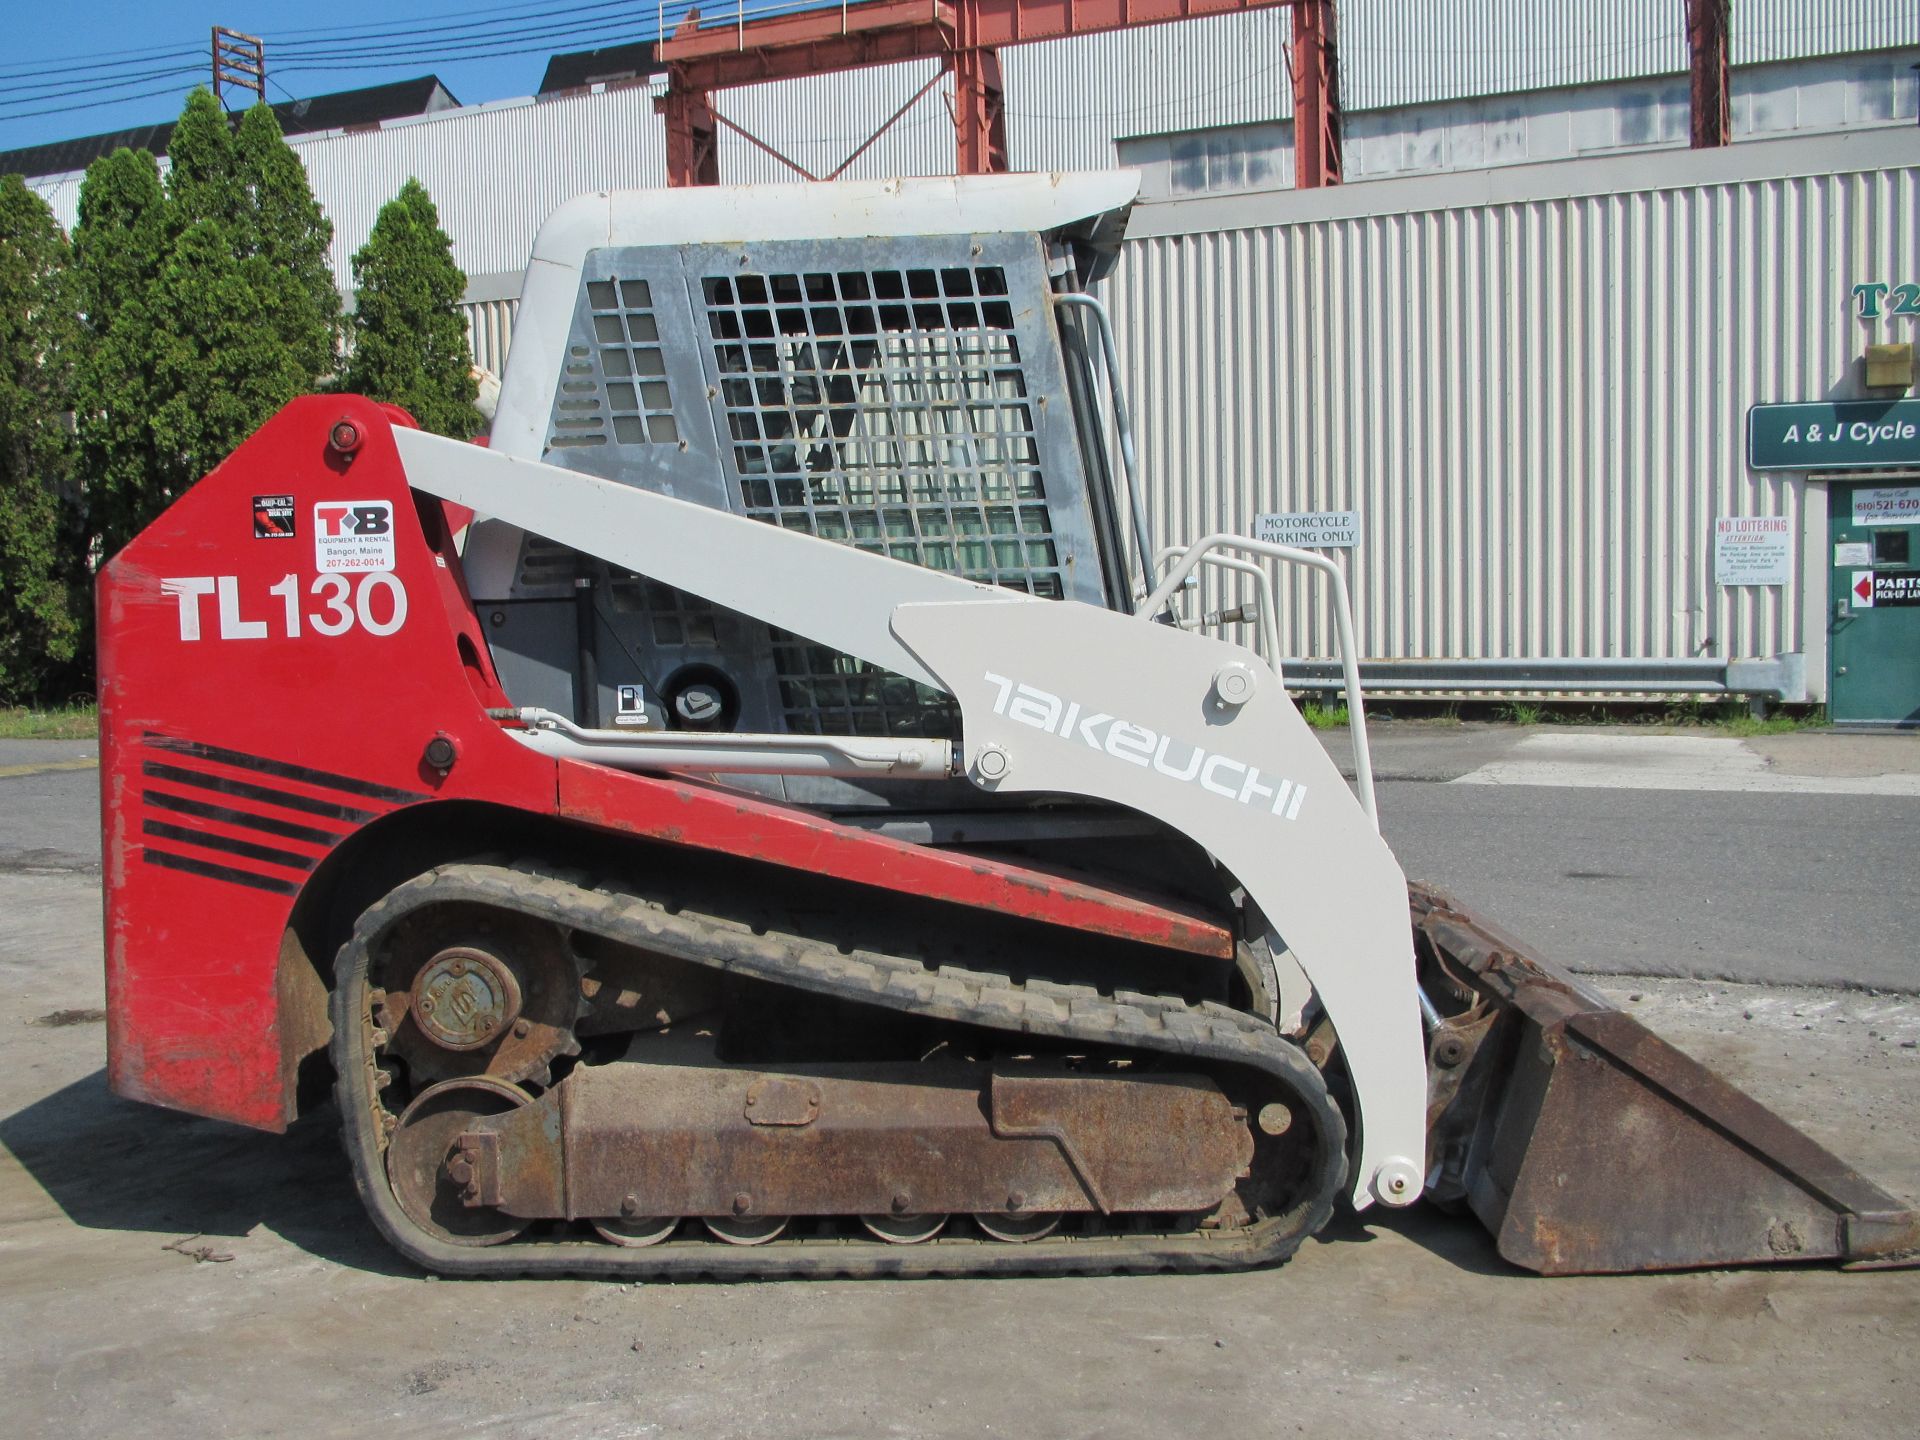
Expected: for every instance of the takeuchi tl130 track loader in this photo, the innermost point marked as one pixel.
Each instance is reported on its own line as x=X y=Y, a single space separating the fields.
x=770 y=811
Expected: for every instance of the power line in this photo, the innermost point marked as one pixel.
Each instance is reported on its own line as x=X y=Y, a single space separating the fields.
x=384 y=58
x=96 y=90
x=73 y=85
x=410 y=34
x=95 y=62
x=538 y=11
x=92 y=104
x=524 y=41
x=482 y=50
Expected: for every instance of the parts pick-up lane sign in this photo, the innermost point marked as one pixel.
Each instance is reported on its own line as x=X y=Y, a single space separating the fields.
x=1873 y=590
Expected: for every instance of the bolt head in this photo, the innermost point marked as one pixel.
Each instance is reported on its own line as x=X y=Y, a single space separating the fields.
x=1397 y=1181
x=742 y=1203
x=522 y=1029
x=1234 y=683
x=630 y=1207
x=900 y=1204
x=992 y=763
x=1015 y=1200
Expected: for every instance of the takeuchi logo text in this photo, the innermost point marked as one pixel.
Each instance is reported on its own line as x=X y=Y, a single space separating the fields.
x=1138 y=745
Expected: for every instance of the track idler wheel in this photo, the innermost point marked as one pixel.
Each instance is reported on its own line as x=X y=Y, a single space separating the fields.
x=474 y=992
x=428 y=1171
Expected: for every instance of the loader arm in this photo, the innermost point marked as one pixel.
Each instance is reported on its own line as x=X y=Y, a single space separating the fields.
x=1059 y=697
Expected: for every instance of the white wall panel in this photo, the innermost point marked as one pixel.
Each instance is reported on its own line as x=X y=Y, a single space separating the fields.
x=1538 y=407
x=490 y=332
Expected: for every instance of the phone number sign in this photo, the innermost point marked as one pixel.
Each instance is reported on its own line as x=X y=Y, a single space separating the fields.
x=1826 y=435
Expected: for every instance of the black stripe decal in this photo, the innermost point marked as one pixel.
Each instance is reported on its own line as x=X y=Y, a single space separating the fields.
x=327 y=809
x=266 y=824
x=171 y=861
x=281 y=769
x=227 y=843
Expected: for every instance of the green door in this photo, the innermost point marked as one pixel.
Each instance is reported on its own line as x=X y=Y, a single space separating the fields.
x=1874 y=591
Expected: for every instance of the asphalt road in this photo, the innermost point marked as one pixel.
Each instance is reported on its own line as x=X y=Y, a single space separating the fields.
x=1794 y=889
x=1769 y=889
x=49 y=805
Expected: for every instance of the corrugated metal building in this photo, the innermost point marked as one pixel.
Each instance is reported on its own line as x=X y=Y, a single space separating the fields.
x=1532 y=384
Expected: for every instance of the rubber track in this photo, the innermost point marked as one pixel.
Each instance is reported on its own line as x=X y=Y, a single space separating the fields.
x=1208 y=1032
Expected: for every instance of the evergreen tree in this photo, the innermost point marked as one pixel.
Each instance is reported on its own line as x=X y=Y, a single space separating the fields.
x=240 y=327
x=203 y=181
x=293 y=234
x=119 y=247
x=41 y=597
x=220 y=364
x=409 y=340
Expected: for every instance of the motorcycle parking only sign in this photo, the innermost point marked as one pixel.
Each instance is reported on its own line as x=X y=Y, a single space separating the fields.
x=1310 y=530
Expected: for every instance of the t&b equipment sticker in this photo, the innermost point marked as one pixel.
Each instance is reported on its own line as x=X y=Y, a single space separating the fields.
x=353 y=535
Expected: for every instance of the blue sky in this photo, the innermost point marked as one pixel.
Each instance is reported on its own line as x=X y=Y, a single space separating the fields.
x=113 y=51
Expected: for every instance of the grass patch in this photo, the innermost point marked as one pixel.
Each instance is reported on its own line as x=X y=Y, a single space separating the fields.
x=1519 y=712
x=1731 y=717
x=63 y=722
x=1323 y=717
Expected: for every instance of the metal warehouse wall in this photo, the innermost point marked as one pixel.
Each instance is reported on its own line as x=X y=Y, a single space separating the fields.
x=1460 y=48
x=1532 y=384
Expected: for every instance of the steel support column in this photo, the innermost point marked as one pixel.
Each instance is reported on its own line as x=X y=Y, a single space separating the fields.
x=979 y=110
x=1316 y=95
x=1709 y=74
x=693 y=154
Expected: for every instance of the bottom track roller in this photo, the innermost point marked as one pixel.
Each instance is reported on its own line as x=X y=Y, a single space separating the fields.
x=904 y=1229
x=1081 y=1132
x=1018 y=1229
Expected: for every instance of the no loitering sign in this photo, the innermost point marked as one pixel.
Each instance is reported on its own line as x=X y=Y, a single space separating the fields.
x=1752 y=550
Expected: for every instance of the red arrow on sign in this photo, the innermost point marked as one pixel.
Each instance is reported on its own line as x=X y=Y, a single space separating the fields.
x=1863 y=587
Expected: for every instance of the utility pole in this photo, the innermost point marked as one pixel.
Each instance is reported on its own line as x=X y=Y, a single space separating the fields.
x=239 y=63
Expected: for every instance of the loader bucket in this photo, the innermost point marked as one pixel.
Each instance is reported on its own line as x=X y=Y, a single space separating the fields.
x=1589 y=1145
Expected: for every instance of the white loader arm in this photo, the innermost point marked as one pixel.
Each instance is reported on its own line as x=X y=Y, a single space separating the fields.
x=1060 y=697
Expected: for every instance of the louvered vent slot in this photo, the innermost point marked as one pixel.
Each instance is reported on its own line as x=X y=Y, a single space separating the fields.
x=545 y=565
x=578 y=417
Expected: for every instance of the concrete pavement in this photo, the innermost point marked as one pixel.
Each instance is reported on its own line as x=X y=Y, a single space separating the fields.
x=175 y=1277
x=1635 y=757
x=178 y=1278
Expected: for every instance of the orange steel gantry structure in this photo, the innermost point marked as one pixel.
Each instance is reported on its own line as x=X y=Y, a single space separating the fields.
x=966 y=35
